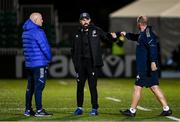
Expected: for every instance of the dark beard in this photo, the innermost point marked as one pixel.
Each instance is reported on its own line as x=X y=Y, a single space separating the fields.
x=85 y=28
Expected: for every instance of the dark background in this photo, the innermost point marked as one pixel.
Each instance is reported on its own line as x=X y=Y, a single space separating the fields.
x=69 y=10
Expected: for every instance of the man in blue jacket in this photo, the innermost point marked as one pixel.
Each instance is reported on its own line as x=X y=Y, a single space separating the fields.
x=37 y=54
x=147 y=66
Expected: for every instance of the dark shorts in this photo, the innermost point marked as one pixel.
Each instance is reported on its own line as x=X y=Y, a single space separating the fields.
x=143 y=80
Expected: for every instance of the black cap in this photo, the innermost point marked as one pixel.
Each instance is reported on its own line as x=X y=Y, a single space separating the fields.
x=84 y=15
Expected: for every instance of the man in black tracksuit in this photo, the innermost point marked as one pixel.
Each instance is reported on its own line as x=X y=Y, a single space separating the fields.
x=87 y=59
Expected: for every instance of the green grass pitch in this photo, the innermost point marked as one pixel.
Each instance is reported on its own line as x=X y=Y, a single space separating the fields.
x=59 y=98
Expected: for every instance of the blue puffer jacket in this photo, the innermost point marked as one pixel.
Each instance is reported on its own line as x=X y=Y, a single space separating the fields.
x=36 y=49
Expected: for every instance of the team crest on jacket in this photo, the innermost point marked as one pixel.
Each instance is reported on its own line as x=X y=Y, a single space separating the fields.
x=148 y=33
x=137 y=77
x=94 y=33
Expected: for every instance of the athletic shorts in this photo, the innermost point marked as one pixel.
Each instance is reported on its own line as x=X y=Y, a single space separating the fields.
x=143 y=80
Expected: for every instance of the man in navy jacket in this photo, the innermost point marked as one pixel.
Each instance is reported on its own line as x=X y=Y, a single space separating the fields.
x=147 y=66
x=37 y=54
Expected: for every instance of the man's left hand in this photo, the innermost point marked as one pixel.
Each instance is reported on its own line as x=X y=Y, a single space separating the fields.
x=153 y=66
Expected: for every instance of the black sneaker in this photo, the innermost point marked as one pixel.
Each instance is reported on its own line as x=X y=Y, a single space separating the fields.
x=128 y=113
x=42 y=112
x=166 y=113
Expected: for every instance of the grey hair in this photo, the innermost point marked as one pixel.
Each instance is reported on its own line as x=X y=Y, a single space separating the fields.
x=142 y=20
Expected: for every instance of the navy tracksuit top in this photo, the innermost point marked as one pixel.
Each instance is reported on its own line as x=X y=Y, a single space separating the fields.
x=146 y=50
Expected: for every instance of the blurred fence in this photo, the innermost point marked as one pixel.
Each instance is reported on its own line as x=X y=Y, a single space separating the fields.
x=9 y=32
x=8 y=5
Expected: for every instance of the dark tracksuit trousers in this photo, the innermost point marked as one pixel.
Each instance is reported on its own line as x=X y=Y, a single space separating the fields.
x=86 y=71
x=36 y=83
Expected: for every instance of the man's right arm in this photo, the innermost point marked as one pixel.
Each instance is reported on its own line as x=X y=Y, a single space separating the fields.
x=130 y=36
x=72 y=49
x=121 y=35
x=73 y=52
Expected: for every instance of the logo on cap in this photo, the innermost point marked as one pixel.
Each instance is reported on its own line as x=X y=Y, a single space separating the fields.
x=84 y=15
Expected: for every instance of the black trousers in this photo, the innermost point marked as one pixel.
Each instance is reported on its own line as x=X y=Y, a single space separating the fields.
x=87 y=71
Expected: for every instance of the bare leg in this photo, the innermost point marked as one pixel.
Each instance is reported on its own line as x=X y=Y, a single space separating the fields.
x=135 y=100
x=136 y=96
x=159 y=95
